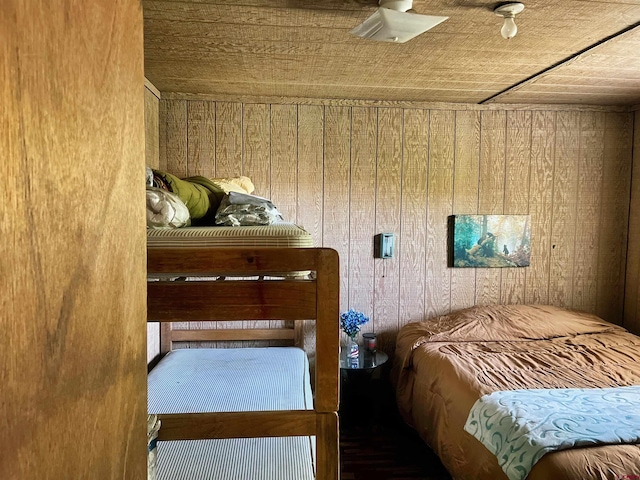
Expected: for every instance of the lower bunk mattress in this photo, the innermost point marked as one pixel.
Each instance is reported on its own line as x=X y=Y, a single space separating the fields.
x=233 y=380
x=278 y=235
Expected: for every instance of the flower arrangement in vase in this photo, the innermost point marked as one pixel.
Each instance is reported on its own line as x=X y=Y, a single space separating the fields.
x=350 y=322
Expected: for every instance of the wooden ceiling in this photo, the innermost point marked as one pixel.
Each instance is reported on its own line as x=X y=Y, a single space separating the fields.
x=574 y=51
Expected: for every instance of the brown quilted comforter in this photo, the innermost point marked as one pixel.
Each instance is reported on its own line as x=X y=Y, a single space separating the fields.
x=444 y=365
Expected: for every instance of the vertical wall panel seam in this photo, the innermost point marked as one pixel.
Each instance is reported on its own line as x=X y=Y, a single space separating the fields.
x=399 y=244
x=324 y=150
x=475 y=269
x=603 y=162
x=242 y=126
x=577 y=199
x=269 y=123
x=426 y=217
x=504 y=189
x=375 y=212
x=323 y=126
x=453 y=203
x=525 y=282
x=526 y=270
x=628 y=240
x=186 y=134
x=551 y=248
x=214 y=150
x=350 y=179
x=297 y=164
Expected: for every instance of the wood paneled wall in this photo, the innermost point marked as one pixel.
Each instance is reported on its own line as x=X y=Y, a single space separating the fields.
x=346 y=173
x=151 y=119
x=152 y=156
x=72 y=255
x=632 y=290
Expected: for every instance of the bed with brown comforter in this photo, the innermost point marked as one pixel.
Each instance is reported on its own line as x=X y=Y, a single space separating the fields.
x=444 y=365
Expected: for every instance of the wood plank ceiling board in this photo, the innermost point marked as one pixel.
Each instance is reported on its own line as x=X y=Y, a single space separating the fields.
x=607 y=74
x=301 y=48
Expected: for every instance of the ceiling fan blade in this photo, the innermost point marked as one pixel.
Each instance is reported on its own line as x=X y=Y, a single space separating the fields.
x=387 y=25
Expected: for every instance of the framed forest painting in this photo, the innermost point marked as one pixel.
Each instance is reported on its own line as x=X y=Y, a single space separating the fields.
x=491 y=241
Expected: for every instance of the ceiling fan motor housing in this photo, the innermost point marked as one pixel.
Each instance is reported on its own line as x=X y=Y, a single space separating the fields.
x=395 y=22
x=398 y=5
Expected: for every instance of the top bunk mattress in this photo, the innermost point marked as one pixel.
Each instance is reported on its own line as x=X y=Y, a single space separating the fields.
x=285 y=235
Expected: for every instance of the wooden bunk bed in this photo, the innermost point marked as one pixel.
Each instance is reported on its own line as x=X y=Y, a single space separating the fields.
x=291 y=299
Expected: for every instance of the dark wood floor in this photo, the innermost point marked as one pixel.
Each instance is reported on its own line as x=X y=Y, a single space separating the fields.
x=388 y=450
x=375 y=443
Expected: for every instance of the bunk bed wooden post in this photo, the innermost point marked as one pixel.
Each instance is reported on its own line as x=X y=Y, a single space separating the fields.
x=298 y=333
x=327 y=363
x=166 y=345
x=288 y=299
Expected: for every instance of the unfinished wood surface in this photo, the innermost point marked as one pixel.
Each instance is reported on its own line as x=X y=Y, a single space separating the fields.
x=594 y=76
x=284 y=159
x=413 y=249
x=151 y=129
x=201 y=155
x=304 y=49
x=465 y=197
x=252 y=97
x=483 y=161
x=162 y=136
x=228 y=138
x=632 y=284
x=589 y=209
x=491 y=192
x=541 y=188
x=616 y=189
x=177 y=128
x=439 y=207
x=362 y=226
x=197 y=426
x=387 y=219
x=516 y=196
x=256 y=147
x=72 y=254
x=310 y=169
x=337 y=178
x=565 y=204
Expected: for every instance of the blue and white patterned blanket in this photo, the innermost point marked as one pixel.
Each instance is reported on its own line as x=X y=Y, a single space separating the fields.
x=520 y=426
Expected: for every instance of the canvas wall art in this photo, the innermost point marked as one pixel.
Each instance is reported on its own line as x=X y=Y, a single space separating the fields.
x=491 y=241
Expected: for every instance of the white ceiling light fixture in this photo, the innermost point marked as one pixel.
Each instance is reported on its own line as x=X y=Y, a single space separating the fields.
x=509 y=11
x=395 y=22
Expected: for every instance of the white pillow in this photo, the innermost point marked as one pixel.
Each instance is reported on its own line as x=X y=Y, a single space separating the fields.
x=165 y=209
